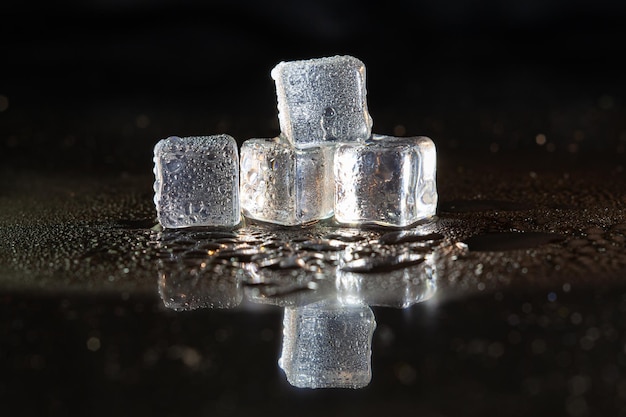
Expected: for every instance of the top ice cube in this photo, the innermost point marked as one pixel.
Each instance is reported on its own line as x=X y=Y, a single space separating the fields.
x=322 y=100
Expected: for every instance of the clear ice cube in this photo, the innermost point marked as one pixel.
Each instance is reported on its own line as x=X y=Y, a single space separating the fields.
x=286 y=185
x=197 y=181
x=328 y=345
x=387 y=180
x=322 y=100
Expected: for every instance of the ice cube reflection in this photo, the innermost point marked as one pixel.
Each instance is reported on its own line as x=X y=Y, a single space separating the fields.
x=190 y=278
x=325 y=288
x=399 y=288
x=208 y=285
x=328 y=344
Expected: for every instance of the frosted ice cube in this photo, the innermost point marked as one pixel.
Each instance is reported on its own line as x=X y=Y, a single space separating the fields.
x=388 y=181
x=328 y=345
x=197 y=181
x=322 y=100
x=285 y=185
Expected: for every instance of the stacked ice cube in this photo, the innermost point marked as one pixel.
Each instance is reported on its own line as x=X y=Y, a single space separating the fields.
x=325 y=162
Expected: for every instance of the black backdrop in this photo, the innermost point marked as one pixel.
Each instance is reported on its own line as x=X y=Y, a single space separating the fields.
x=94 y=84
x=89 y=88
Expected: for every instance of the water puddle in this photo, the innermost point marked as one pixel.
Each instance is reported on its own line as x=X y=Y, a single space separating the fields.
x=327 y=279
x=325 y=282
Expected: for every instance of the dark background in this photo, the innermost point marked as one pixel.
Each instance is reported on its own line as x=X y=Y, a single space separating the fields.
x=519 y=96
x=92 y=85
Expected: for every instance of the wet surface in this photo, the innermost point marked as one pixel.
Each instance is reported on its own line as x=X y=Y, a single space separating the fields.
x=62 y=234
x=504 y=241
x=496 y=302
x=510 y=302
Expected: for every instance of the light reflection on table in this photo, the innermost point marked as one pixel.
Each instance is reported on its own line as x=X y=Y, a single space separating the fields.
x=328 y=323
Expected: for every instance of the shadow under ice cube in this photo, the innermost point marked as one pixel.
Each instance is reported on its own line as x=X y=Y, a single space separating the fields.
x=387 y=180
x=285 y=185
x=322 y=100
x=197 y=181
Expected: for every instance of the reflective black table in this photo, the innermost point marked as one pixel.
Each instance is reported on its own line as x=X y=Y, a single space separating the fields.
x=511 y=299
x=509 y=302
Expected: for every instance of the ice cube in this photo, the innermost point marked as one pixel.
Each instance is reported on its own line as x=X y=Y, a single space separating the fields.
x=322 y=100
x=286 y=185
x=388 y=181
x=197 y=181
x=328 y=345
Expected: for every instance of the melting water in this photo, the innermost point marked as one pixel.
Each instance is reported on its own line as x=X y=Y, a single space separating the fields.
x=485 y=245
x=326 y=280
x=267 y=264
